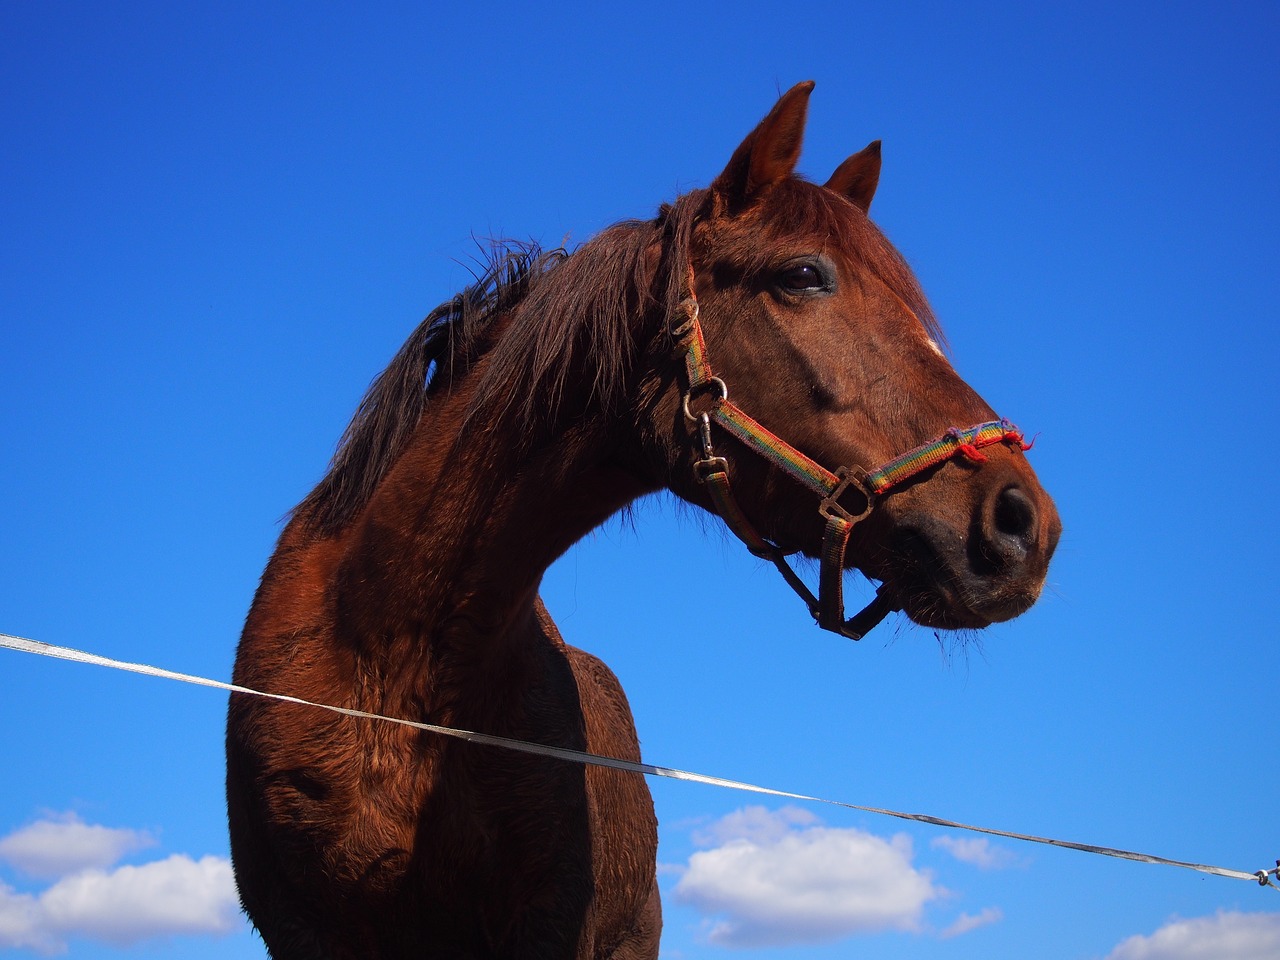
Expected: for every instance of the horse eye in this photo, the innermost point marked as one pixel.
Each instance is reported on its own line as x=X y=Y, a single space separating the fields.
x=802 y=278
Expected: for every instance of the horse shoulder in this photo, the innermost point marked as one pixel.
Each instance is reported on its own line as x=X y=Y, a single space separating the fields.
x=626 y=907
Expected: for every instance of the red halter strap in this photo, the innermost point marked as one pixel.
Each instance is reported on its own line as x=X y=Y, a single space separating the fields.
x=713 y=471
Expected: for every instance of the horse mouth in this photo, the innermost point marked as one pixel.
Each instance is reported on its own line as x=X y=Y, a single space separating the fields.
x=938 y=588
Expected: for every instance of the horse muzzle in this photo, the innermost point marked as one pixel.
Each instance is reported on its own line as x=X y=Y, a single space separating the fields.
x=954 y=577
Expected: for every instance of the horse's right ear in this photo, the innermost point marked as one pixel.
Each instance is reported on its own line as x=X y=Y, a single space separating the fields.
x=770 y=151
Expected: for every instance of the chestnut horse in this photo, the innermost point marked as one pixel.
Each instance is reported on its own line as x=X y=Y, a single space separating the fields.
x=519 y=416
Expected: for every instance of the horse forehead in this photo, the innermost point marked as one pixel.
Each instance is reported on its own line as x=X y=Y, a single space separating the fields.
x=798 y=218
x=795 y=223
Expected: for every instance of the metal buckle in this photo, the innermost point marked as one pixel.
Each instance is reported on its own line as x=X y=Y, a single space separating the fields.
x=697 y=388
x=681 y=330
x=854 y=477
x=704 y=468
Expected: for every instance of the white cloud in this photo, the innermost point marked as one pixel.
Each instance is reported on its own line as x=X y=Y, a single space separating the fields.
x=778 y=878
x=20 y=924
x=174 y=896
x=171 y=896
x=968 y=921
x=63 y=844
x=1227 y=935
x=177 y=895
x=757 y=824
x=978 y=851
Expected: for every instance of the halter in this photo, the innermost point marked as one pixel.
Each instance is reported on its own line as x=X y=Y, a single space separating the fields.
x=713 y=472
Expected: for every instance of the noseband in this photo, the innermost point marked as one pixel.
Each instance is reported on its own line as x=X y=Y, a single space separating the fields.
x=704 y=387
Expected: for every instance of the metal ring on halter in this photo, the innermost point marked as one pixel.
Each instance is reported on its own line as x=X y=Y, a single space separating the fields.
x=849 y=477
x=700 y=387
x=704 y=468
x=680 y=330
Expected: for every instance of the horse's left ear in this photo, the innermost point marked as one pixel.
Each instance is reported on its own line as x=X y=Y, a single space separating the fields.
x=858 y=176
x=770 y=151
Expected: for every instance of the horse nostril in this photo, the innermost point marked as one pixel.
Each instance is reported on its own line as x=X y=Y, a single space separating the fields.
x=1013 y=517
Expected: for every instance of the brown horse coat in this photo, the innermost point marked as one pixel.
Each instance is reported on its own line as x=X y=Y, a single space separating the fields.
x=519 y=416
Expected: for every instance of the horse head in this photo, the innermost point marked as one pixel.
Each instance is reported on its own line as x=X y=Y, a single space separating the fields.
x=811 y=366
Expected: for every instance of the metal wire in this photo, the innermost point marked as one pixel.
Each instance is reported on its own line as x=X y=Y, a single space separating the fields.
x=1266 y=878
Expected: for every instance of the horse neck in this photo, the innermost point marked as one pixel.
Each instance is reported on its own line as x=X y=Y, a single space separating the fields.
x=447 y=558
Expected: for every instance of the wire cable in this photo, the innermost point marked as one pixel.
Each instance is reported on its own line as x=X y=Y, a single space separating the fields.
x=1264 y=878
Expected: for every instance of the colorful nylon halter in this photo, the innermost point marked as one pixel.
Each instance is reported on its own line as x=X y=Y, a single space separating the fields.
x=713 y=472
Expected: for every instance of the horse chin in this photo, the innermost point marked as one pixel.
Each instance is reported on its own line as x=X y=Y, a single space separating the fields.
x=950 y=609
x=936 y=612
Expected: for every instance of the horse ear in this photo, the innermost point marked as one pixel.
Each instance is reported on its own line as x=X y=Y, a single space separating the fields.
x=857 y=177
x=770 y=151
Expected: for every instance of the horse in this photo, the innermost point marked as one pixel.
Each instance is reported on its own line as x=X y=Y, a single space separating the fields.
x=520 y=415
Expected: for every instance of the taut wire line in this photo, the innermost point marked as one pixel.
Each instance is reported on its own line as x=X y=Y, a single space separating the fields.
x=1266 y=878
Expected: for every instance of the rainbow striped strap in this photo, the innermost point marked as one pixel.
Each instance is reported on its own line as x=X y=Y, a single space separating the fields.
x=697 y=366
x=716 y=479
x=966 y=442
x=774 y=449
x=835 y=541
x=955 y=442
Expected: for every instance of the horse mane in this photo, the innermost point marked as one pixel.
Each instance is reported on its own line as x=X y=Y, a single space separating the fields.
x=565 y=310
x=565 y=313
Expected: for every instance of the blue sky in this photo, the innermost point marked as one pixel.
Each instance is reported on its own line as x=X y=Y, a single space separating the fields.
x=222 y=220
